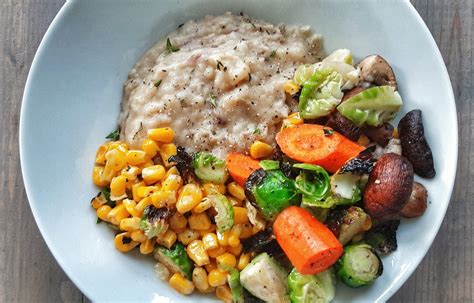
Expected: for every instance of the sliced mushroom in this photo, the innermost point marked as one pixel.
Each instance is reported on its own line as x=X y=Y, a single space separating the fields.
x=381 y=135
x=414 y=144
x=417 y=202
x=344 y=126
x=376 y=70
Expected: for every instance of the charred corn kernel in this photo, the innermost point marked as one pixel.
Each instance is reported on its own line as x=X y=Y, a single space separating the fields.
x=138 y=235
x=295 y=119
x=135 y=188
x=236 y=190
x=117 y=213
x=150 y=147
x=187 y=236
x=204 y=205
x=145 y=191
x=130 y=172
x=363 y=140
x=199 y=221
x=146 y=247
x=142 y=204
x=172 y=182
x=217 y=277
x=103 y=212
x=167 y=239
x=97 y=177
x=200 y=278
x=240 y=215
x=197 y=253
x=223 y=238
x=213 y=253
x=209 y=241
x=124 y=243
x=117 y=186
x=153 y=174
x=122 y=146
x=130 y=224
x=166 y=151
x=235 y=250
x=244 y=259
x=130 y=206
x=210 y=187
x=395 y=133
x=135 y=157
x=291 y=87
x=163 y=198
x=98 y=200
x=181 y=284
x=211 y=266
x=178 y=221
x=367 y=224
x=246 y=231
x=162 y=134
x=116 y=160
x=224 y=293
x=226 y=259
x=100 y=154
x=189 y=197
x=172 y=171
x=234 y=201
x=259 y=150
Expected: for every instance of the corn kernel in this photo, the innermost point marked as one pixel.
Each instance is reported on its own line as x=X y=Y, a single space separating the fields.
x=163 y=198
x=244 y=259
x=217 y=277
x=395 y=134
x=150 y=147
x=213 y=253
x=147 y=163
x=226 y=260
x=200 y=278
x=166 y=151
x=204 y=205
x=97 y=177
x=291 y=87
x=259 y=150
x=162 y=134
x=208 y=188
x=240 y=215
x=209 y=241
x=145 y=191
x=178 y=221
x=119 y=145
x=181 y=284
x=130 y=172
x=103 y=211
x=223 y=238
x=187 y=236
x=117 y=213
x=295 y=119
x=135 y=157
x=130 y=206
x=236 y=191
x=98 y=200
x=138 y=235
x=116 y=160
x=167 y=239
x=197 y=253
x=172 y=171
x=146 y=247
x=234 y=240
x=142 y=204
x=224 y=294
x=117 y=186
x=172 y=182
x=246 y=231
x=130 y=224
x=153 y=174
x=189 y=197
x=124 y=243
x=211 y=266
x=135 y=188
x=199 y=221
x=234 y=201
x=235 y=250
x=100 y=154
x=363 y=140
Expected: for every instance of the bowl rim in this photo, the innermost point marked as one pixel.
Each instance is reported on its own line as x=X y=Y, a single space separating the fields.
x=396 y=285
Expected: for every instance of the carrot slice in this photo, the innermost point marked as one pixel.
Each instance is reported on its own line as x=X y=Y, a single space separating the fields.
x=308 y=243
x=240 y=167
x=317 y=144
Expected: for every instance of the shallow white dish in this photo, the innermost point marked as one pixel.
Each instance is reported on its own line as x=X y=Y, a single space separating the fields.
x=72 y=100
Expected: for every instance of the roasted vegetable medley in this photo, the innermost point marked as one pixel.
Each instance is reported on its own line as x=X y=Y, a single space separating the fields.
x=285 y=220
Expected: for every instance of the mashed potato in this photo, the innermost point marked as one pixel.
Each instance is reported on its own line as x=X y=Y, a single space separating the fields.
x=222 y=89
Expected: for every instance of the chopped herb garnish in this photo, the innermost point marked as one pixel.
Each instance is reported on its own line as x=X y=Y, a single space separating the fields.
x=157 y=83
x=98 y=220
x=213 y=100
x=169 y=47
x=114 y=135
x=328 y=132
x=256 y=131
x=273 y=54
x=106 y=193
x=219 y=65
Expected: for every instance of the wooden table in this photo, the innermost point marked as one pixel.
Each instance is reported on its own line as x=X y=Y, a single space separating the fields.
x=29 y=273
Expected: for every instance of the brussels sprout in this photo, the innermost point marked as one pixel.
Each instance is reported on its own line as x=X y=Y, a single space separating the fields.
x=313 y=181
x=359 y=265
x=225 y=211
x=209 y=168
x=265 y=279
x=175 y=259
x=318 y=288
x=269 y=164
x=320 y=94
x=347 y=223
x=383 y=237
x=233 y=278
x=373 y=106
x=155 y=221
x=270 y=192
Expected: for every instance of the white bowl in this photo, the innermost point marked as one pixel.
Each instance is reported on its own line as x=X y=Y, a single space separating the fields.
x=73 y=95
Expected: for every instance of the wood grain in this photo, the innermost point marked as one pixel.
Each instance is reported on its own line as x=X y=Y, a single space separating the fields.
x=29 y=273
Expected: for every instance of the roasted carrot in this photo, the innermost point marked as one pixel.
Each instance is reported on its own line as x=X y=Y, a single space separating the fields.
x=308 y=243
x=240 y=167
x=317 y=144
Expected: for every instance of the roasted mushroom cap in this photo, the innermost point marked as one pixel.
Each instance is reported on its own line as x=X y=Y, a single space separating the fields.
x=417 y=203
x=376 y=70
